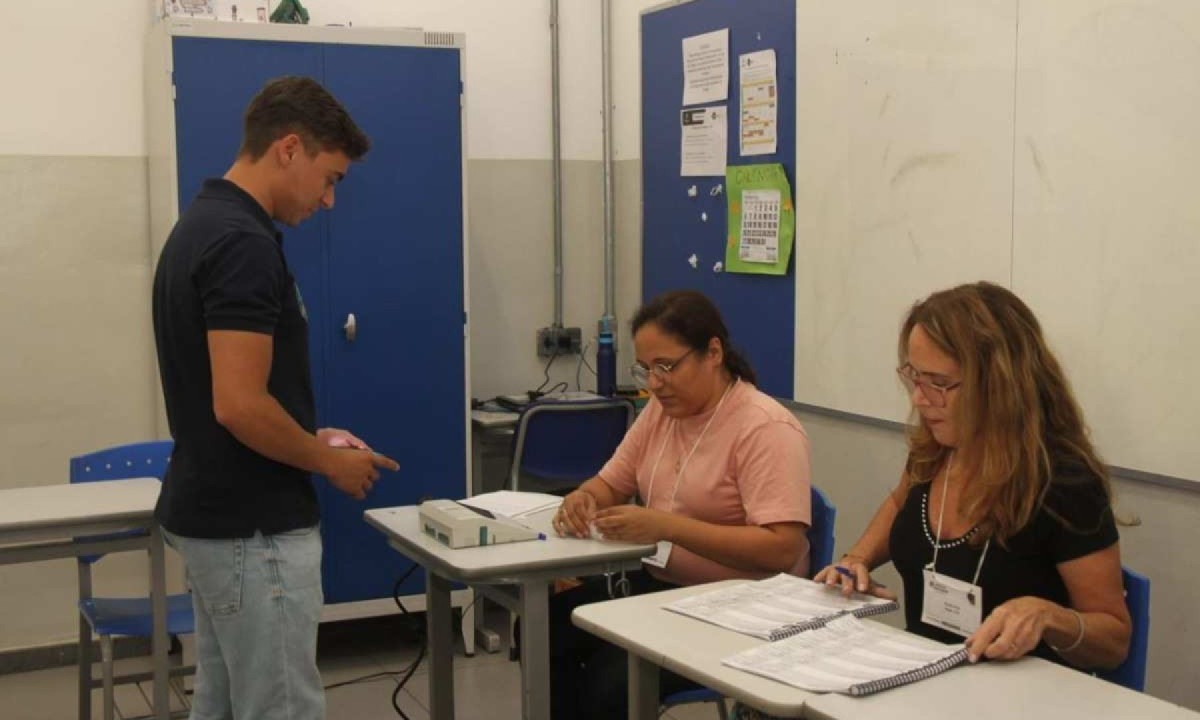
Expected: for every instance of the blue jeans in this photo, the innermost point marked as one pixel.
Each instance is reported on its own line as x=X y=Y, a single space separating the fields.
x=258 y=604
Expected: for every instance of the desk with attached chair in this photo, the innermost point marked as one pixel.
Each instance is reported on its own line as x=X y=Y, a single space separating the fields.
x=41 y=523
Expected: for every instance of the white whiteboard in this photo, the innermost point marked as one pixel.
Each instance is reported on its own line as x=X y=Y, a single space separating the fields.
x=1052 y=146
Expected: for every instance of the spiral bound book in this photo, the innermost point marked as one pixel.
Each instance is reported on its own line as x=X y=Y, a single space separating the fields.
x=850 y=657
x=777 y=607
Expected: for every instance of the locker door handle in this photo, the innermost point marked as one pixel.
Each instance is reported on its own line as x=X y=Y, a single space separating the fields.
x=351 y=327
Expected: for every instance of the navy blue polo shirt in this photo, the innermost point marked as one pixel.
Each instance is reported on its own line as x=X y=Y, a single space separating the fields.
x=223 y=268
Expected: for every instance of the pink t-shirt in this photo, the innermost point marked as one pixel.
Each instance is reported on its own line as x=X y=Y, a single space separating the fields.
x=751 y=468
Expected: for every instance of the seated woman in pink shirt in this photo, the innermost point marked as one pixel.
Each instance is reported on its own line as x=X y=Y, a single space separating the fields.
x=723 y=478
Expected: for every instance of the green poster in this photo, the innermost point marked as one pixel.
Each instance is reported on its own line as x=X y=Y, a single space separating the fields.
x=762 y=219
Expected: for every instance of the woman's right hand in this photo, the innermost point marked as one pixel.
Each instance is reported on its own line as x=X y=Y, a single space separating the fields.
x=575 y=515
x=851 y=574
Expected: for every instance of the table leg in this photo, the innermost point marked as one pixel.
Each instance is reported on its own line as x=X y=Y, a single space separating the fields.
x=476 y=461
x=440 y=631
x=158 y=604
x=468 y=622
x=85 y=668
x=535 y=650
x=643 y=688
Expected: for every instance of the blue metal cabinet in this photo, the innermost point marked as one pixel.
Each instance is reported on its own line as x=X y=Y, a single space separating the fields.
x=391 y=254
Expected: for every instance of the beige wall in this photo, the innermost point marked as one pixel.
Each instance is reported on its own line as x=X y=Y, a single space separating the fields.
x=76 y=372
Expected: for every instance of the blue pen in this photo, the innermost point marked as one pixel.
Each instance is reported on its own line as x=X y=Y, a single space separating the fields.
x=847 y=572
x=541 y=536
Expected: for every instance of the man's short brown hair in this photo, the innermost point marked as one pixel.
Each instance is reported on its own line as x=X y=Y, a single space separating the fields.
x=300 y=105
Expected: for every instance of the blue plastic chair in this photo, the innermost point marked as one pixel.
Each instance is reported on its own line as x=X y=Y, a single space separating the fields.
x=1132 y=672
x=820 y=533
x=559 y=444
x=120 y=617
x=562 y=443
x=820 y=554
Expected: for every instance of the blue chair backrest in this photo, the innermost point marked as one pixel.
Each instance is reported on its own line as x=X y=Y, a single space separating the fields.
x=568 y=441
x=1132 y=672
x=820 y=533
x=146 y=459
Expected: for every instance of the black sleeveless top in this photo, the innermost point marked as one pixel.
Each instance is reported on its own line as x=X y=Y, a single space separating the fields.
x=1025 y=567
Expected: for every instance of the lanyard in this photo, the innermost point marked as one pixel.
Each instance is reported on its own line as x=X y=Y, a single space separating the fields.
x=937 y=541
x=662 y=448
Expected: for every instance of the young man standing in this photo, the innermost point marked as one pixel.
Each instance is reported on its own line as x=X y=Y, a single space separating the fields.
x=232 y=337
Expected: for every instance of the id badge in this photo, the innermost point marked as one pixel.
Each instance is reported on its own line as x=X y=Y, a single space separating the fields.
x=660 y=556
x=952 y=604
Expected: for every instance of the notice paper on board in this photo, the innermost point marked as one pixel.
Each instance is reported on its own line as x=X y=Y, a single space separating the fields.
x=759 y=127
x=762 y=219
x=703 y=134
x=706 y=67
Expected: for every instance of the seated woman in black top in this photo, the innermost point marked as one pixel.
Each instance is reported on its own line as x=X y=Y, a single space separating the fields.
x=1002 y=526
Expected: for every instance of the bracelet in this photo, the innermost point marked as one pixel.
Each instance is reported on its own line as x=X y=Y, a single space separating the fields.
x=853 y=555
x=1078 y=640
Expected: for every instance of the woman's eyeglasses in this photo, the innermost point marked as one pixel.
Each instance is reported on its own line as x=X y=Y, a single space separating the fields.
x=661 y=371
x=933 y=387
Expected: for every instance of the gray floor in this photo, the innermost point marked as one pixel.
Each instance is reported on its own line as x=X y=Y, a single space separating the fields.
x=486 y=686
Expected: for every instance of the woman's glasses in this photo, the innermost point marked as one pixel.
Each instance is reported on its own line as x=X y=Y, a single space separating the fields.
x=661 y=371
x=933 y=387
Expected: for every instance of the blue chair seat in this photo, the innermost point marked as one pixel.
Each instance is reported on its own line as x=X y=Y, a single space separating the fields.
x=131 y=617
x=119 y=617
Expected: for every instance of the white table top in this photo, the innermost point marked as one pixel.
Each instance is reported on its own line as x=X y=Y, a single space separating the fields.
x=688 y=646
x=34 y=513
x=1030 y=688
x=554 y=554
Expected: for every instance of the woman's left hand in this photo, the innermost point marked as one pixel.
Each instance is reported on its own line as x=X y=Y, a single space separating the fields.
x=1013 y=629
x=632 y=523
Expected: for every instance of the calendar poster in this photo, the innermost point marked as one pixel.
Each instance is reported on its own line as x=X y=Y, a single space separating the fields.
x=762 y=219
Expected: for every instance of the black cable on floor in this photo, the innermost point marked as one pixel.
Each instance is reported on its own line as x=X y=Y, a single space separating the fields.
x=407 y=673
x=364 y=678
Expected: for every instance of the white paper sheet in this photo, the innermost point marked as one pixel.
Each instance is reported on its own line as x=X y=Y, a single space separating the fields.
x=759 y=128
x=703 y=135
x=706 y=67
x=849 y=656
x=511 y=504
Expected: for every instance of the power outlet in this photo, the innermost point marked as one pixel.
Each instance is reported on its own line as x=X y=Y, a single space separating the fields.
x=559 y=341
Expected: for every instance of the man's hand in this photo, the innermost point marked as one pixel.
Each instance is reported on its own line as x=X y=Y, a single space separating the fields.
x=355 y=471
x=338 y=438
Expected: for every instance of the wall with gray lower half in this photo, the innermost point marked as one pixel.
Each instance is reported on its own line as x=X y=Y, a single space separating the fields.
x=77 y=371
x=512 y=270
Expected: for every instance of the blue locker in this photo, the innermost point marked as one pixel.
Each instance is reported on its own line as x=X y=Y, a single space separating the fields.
x=390 y=253
x=395 y=262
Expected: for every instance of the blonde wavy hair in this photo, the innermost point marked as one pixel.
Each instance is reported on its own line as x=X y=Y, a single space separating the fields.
x=1015 y=412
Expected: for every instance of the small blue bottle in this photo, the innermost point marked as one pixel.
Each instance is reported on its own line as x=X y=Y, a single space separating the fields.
x=606 y=366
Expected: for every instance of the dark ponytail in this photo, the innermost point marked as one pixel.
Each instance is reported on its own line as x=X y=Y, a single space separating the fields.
x=692 y=318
